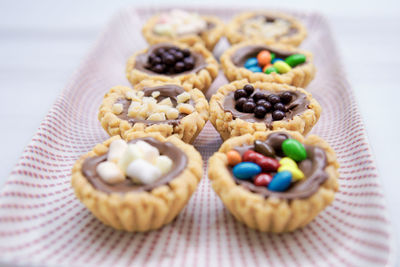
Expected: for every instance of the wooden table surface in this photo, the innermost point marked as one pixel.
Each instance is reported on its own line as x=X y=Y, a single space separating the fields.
x=43 y=42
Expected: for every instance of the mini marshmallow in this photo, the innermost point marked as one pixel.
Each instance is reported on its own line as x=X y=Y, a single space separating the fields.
x=164 y=164
x=132 y=152
x=150 y=153
x=143 y=172
x=110 y=173
x=117 y=148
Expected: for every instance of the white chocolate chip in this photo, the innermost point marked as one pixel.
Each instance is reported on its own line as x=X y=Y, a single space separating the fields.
x=157 y=117
x=185 y=108
x=142 y=171
x=155 y=94
x=117 y=108
x=132 y=152
x=130 y=94
x=172 y=113
x=162 y=108
x=150 y=153
x=110 y=173
x=166 y=101
x=140 y=94
x=185 y=96
x=117 y=148
x=164 y=164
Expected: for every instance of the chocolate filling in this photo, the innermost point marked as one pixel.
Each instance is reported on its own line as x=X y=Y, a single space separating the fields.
x=292 y=30
x=298 y=105
x=141 y=61
x=313 y=168
x=179 y=164
x=242 y=54
x=169 y=90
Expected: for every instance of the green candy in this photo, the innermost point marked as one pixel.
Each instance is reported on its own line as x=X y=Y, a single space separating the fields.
x=272 y=56
x=271 y=69
x=294 y=149
x=296 y=59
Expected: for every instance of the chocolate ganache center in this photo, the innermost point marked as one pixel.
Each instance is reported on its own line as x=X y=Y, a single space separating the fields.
x=313 y=168
x=296 y=106
x=168 y=90
x=141 y=62
x=242 y=54
x=168 y=149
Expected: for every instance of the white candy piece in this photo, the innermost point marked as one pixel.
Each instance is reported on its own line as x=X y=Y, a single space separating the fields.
x=142 y=171
x=150 y=153
x=132 y=152
x=164 y=164
x=117 y=148
x=110 y=173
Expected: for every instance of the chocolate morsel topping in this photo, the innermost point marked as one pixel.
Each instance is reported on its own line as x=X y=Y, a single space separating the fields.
x=242 y=54
x=168 y=90
x=298 y=105
x=313 y=168
x=179 y=164
x=142 y=59
x=292 y=30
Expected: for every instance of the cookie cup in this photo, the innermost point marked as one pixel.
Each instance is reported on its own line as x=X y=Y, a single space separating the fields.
x=201 y=79
x=299 y=76
x=139 y=211
x=228 y=126
x=187 y=130
x=271 y=214
x=208 y=38
x=234 y=34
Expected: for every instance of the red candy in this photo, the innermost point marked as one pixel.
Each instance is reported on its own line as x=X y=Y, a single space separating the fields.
x=251 y=156
x=262 y=179
x=268 y=164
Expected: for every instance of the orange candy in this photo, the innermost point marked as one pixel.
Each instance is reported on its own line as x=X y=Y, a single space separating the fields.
x=266 y=67
x=264 y=58
x=233 y=157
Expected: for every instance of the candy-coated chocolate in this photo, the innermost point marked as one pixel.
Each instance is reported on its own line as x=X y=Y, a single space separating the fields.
x=294 y=149
x=273 y=56
x=287 y=161
x=280 y=182
x=297 y=174
x=264 y=58
x=251 y=156
x=262 y=179
x=275 y=60
x=268 y=164
x=246 y=170
x=296 y=59
x=233 y=157
x=282 y=66
x=255 y=69
x=270 y=70
x=264 y=148
x=266 y=67
x=251 y=62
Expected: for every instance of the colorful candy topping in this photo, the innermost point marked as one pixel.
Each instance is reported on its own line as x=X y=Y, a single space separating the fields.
x=152 y=109
x=261 y=103
x=141 y=162
x=263 y=168
x=265 y=27
x=170 y=60
x=267 y=62
x=179 y=22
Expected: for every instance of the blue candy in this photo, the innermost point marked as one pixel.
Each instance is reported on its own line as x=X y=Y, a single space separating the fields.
x=281 y=181
x=276 y=59
x=255 y=69
x=251 y=62
x=246 y=170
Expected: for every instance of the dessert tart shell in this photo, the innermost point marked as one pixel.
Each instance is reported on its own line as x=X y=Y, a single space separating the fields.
x=139 y=211
x=228 y=126
x=271 y=214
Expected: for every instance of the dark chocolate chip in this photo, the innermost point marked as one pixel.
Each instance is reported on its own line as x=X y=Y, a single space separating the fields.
x=189 y=63
x=273 y=99
x=279 y=106
x=169 y=59
x=186 y=52
x=159 y=68
x=267 y=105
x=178 y=55
x=259 y=112
x=179 y=66
x=277 y=115
x=240 y=93
x=239 y=103
x=160 y=51
x=248 y=107
x=249 y=89
x=259 y=95
x=286 y=97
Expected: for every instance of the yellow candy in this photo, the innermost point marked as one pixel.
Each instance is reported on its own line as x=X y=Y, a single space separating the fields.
x=282 y=66
x=288 y=161
x=297 y=174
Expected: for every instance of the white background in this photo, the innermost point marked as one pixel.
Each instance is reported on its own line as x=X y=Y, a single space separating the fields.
x=43 y=42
